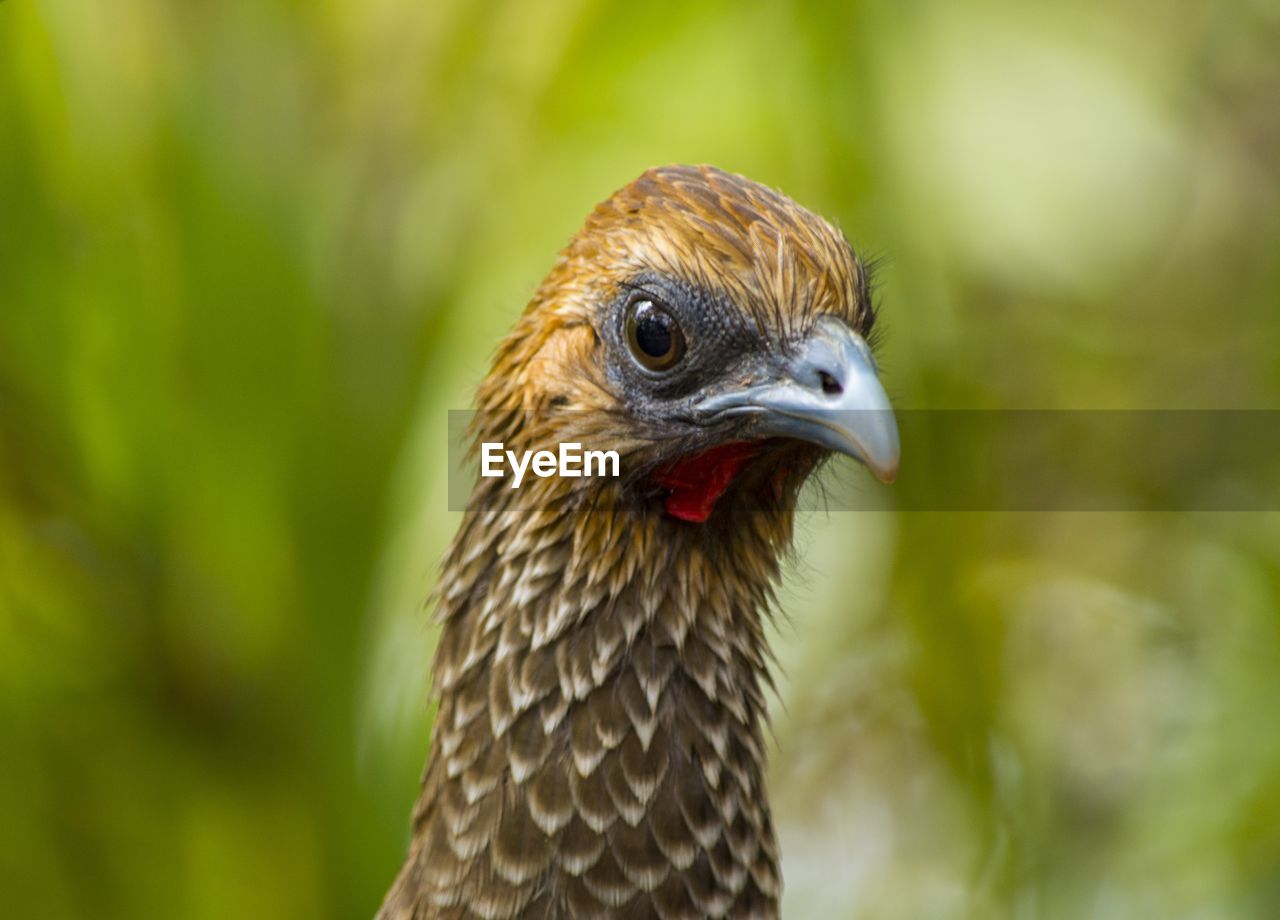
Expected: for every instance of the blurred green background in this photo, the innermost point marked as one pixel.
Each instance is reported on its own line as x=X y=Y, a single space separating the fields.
x=252 y=252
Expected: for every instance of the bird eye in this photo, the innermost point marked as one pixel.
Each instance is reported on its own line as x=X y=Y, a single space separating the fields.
x=654 y=336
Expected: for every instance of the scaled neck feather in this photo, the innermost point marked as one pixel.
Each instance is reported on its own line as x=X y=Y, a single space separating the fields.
x=599 y=741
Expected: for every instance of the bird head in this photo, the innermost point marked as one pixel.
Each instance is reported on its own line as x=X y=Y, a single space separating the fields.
x=712 y=332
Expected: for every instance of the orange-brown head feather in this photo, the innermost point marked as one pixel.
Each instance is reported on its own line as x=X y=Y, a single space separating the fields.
x=769 y=266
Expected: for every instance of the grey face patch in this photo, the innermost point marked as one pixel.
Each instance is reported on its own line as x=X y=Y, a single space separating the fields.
x=718 y=342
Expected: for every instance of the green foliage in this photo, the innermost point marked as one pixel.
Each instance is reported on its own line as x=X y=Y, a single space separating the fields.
x=251 y=254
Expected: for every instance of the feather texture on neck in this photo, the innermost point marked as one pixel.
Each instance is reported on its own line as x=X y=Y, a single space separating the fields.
x=598 y=748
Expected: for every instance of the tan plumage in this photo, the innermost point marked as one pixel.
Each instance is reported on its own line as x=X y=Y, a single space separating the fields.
x=599 y=747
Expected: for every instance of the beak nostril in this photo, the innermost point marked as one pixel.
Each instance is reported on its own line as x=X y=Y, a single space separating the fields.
x=830 y=385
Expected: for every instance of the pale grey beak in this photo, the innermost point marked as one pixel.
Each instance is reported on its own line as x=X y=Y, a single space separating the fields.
x=827 y=394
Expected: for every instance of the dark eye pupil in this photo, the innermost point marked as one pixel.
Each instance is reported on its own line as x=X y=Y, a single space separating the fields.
x=654 y=336
x=653 y=333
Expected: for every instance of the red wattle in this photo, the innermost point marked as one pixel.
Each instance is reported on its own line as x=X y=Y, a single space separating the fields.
x=697 y=482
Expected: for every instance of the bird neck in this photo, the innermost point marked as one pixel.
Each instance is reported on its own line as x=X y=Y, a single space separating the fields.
x=599 y=739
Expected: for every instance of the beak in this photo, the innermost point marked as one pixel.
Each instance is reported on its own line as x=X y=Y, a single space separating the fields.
x=827 y=394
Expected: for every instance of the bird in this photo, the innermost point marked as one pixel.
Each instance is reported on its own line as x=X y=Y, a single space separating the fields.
x=599 y=743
